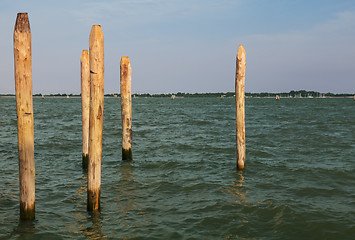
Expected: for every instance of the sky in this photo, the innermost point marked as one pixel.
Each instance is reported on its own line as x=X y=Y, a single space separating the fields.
x=188 y=45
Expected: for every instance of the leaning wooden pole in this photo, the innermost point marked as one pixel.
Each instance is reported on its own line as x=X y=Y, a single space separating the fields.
x=96 y=59
x=126 y=109
x=240 y=107
x=85 y=104
x=24 y=105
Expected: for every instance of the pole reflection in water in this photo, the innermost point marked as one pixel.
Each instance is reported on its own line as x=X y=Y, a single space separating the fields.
x=128 y=210
x=123 y=207
x=238 y=192
x=237 y=189
x=24 y=230
x=95 y=230
x=87 y=224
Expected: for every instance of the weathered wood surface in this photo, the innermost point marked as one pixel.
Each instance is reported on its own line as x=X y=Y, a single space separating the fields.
x=24 y=106
x=240 y=106
x=85 y=104
x=126 y=108
x=96 y=59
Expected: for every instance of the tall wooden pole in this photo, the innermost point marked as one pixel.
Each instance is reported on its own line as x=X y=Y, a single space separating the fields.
x=24 y=105
x=240 y=107
x=126 y=108
x=85 y=103
x=96 y=59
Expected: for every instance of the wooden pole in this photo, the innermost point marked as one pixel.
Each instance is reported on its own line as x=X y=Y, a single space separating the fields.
x=126 y=108
x=85 y=104
x=24 y=105
x=96 y=59
x=240 y=107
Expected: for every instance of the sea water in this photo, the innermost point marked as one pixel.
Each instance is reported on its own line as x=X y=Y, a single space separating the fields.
x=299 y=181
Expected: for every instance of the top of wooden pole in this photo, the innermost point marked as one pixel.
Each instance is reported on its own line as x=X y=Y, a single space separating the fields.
x=241 y=52
x=84 y=55
x=22 y=23
x=96 y=32
x=241 y=62
x=96 y=50
x=125 y=59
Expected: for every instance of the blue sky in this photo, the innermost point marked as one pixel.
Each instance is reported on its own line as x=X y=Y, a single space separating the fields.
x=188 y=45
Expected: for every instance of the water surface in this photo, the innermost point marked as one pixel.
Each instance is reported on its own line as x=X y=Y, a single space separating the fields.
x=183 y=183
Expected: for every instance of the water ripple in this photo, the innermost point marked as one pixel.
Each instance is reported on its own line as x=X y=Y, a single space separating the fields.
x=183 y=182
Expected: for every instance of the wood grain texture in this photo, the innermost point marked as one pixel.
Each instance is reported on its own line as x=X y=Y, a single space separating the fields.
x=96 y=59
x=85 y=104
x=126 y=108
x=240 y=106
x=24 y=106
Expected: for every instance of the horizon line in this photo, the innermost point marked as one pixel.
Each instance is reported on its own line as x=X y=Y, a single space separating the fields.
x=167 y=93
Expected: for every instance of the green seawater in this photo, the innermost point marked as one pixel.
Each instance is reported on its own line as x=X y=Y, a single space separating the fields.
x=299 y=181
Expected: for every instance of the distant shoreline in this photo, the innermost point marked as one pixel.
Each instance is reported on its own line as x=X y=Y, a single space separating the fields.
x=293 y=94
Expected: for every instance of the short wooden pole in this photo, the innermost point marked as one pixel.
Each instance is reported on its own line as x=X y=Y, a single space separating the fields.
x=96 y=59
x=85 y=104
x=126 y=108
x=240 y=107
x=24 y=105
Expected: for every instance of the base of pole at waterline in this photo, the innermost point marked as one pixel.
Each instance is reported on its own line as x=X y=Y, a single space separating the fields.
x=127 y=154
x=241 y=165
x=27 y=213
x=93 y=203
x=85 y=162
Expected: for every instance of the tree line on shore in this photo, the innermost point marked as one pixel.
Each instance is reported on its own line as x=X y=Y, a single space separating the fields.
x=291 y=94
